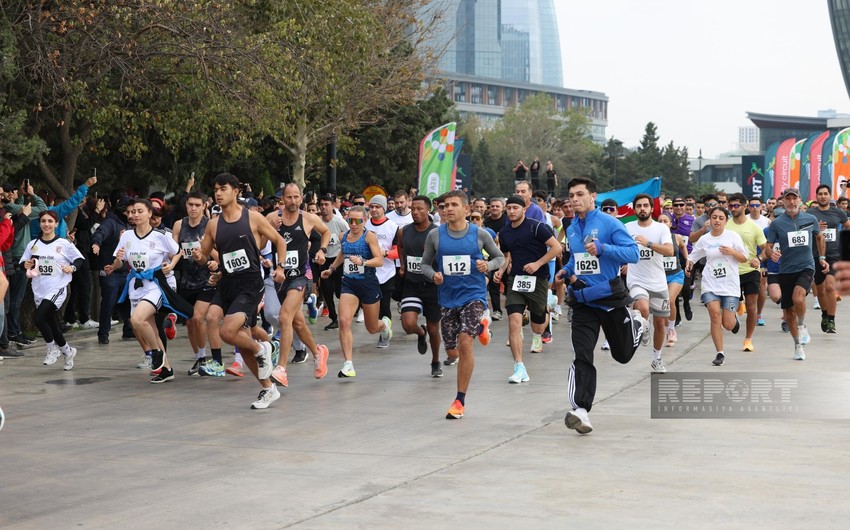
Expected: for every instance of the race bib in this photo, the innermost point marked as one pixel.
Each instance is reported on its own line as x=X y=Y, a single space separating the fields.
x=800 y=238
x=457 y=265
x=524 y=284
x=414 y=264
x=567 y=245
x=291 y=261
x=348 y=268
x=670 y=263
x=830 y=235
x=48 y=267
x=138 y=260
x=236 y=261
x=587 y=264
x=188 y=247
x=646 y=253
x=718 y=270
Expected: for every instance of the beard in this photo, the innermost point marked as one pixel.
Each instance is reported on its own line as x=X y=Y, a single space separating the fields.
x=643 y=216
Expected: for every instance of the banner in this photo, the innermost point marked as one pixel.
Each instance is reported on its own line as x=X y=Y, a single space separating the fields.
x=436 y=161
x=625 y=197
x=796 y=153
x=782 y=179
x=753 y=179
x=840 y=161
x=816 y=163
x=770 y=170
x=826 y=161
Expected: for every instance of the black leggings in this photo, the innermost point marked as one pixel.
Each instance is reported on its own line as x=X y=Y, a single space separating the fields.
x=386 y=298
x=47 y=322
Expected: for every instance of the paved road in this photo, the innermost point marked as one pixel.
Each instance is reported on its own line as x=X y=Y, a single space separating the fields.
x=100 y=447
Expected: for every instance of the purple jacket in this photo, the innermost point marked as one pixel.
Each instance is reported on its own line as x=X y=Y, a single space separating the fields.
x=682 y=226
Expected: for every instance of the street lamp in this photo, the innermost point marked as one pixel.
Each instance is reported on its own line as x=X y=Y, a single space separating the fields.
x=699 y=175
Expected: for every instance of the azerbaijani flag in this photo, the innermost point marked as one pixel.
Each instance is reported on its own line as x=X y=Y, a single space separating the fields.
x=625 y=197
x=437 y=161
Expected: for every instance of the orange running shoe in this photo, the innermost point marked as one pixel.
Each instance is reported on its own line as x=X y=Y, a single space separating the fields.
x=742 y=308
x=279 y=375
x=485 y=335
x=235 y=369
x=455 y=411
x=321 y=362
x=170 y=326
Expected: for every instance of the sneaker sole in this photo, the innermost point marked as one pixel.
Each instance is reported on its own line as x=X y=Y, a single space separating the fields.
x=342 y=375
x=450 y=416
x=158 y=380
x=574 y=422
x=515 y=382
x=264 y=406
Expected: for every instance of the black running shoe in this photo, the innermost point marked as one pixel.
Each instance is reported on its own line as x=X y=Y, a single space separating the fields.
x=719 y=359
x=164 y=375
x=422 y=341
x=157 y=359
x=824 y=323
x=436 y=371
x=689 y=314
x=450 y=361
x=333 y=325
x=299 y=357
x=197 y=366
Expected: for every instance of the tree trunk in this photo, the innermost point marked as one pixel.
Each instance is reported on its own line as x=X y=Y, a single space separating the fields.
x=299 y=152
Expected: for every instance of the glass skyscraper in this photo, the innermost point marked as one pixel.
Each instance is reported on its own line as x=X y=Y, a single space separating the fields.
x=839 y=14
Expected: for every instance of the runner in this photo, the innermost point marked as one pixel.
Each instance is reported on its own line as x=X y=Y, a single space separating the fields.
x=600 y=245
x=50 y=261
x=330 y=287
x=646 y=279
x=797 y=233
x=360 y=257
x=386 y=232
x=296 y=227
x=237 y=235
x=528 y=246
x=723 y=250
x=830 y=220
x=461 y=277
x=418 y=294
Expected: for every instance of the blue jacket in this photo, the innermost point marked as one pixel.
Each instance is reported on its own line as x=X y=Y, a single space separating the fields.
x=63 y=210
x=615 y=248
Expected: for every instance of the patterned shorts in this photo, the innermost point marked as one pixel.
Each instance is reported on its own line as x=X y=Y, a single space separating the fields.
x=457 y=320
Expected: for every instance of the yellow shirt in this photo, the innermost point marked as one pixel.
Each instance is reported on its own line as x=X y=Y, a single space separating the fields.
x=753 y=237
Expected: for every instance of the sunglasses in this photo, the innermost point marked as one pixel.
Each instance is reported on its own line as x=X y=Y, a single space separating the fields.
x=734 y=206
x=359 y=204
x=679 y=204
x=721 y=202
x=711 y=205
x=608 y=209
x=754 y=205
x=356 y=221
x=476 y=218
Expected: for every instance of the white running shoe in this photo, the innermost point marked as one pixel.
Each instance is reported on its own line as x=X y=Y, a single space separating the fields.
x=799 y=353
x=91 y=324
x=52 y=356
x=537 y=344
x=386 y=334
x=803 y=332
x=267 y=397
x=264 y=361
x=658 y=366
x=145 y=364
x=644 y=327
x=69 y=358
x=577 y=419
x=360 y=318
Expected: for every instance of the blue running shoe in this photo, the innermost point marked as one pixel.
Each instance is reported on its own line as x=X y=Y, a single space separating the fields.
x=212 y=369
x=312 y=310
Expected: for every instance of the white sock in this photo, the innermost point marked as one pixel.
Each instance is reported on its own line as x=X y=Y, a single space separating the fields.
x=201 y=353
x=66 y=348
x=51 y=345
x=656 y=355
x=239 y=358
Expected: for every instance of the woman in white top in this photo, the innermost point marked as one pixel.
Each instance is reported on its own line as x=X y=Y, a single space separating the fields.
x=50 y=261
x=721 y=285
x=145 y=249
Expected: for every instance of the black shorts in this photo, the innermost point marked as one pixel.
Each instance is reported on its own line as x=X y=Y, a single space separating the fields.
x=787 y=283
x=240 y=295
x=421 y=297
x=772 y=278
x=298 y=283
x=751 y=283
x=820 y=276
x=193 y=296
x=366 y=289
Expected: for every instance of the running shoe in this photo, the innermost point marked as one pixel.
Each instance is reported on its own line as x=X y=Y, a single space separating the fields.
x=90 y=324
x=436 y=371
x=742 y=308
x=279 y=374
x=264 y=360
x=658 y=367
x=737 y=326
x=333 y=325
x=799 y=353
x=525 y=317
x=266 y=397
x=320 y=362
x=69 y=358
x=275 y=352
x=536 y=344
x=830 y=326
x=157 y=359
x=455 y=411
x=689 y=314
x=645 y=334
x=823 y=323
x=547 y=337
x=748 y=345
x=719 y=359
x=606 y=346
x=170 y=326
x=197 y=366
x=485 y=334
x=578 y=421
x=235 y=369
x=422 y=341
x=312 y=311
x=450 y=361
x=360 y=318
x=163 y=376
x=760 y=321
x=554 y=315
x=347 y=370
x=325 y=312
x=803 y=332
x=386 y=334
x=817 y=303
x=784 y=327
x=299 y=357
x=212 y=369
x=496 y=315
x=672 y=337
x=52 y=356
x=520 y=374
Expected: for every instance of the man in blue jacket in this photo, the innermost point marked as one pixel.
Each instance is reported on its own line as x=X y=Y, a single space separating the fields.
x=598 y=296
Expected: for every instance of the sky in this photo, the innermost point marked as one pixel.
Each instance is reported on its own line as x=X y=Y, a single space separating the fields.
x=696 y=67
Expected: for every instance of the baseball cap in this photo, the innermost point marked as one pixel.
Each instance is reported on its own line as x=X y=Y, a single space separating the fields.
x=252 y=202
x=791 y=191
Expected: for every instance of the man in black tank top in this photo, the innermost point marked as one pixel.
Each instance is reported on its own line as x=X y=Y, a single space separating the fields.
x=237 y=234
x=295 y=227
x=194 y=285
x=418 y=294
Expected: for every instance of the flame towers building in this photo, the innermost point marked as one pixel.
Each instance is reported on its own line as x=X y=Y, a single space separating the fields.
x=839 y=15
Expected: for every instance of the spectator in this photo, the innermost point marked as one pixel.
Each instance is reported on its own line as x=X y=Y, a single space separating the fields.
x=104 y=242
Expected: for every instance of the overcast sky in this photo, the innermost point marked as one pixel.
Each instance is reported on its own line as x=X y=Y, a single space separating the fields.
x=695 y=68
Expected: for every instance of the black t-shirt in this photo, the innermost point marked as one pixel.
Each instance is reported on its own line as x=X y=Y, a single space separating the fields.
x=526 y=243
x=496 y=224
x=520 y=173
x=834 y=219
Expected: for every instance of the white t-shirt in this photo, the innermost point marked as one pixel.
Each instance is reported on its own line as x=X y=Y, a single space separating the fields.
x=52 y=256
x=385 y=233
x=648 y=272
x=720 y=275
x=146 y=253
x=762 y=221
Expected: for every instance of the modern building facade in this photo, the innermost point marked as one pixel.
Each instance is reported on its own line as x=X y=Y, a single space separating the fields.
x=839 y=15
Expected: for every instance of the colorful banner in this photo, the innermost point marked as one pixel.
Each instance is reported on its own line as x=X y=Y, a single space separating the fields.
x=826 y=162
x=752 y=176
x=815 y=162
x=770 y=171
x=796 y=152
x=840 y=161
x=782 y=179
x=625 y=197
x=805 y=164
x=437 y=161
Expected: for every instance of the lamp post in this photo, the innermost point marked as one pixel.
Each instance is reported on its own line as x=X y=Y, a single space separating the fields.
x=699 y=175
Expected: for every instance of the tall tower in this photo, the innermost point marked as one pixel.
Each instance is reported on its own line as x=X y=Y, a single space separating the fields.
x=839 y=15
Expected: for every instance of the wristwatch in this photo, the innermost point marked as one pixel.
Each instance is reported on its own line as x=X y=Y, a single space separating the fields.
x=324 y=250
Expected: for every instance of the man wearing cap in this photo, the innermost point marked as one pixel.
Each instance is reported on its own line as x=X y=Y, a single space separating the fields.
x=387 y=233
x=797 y=232
x=830 y=219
